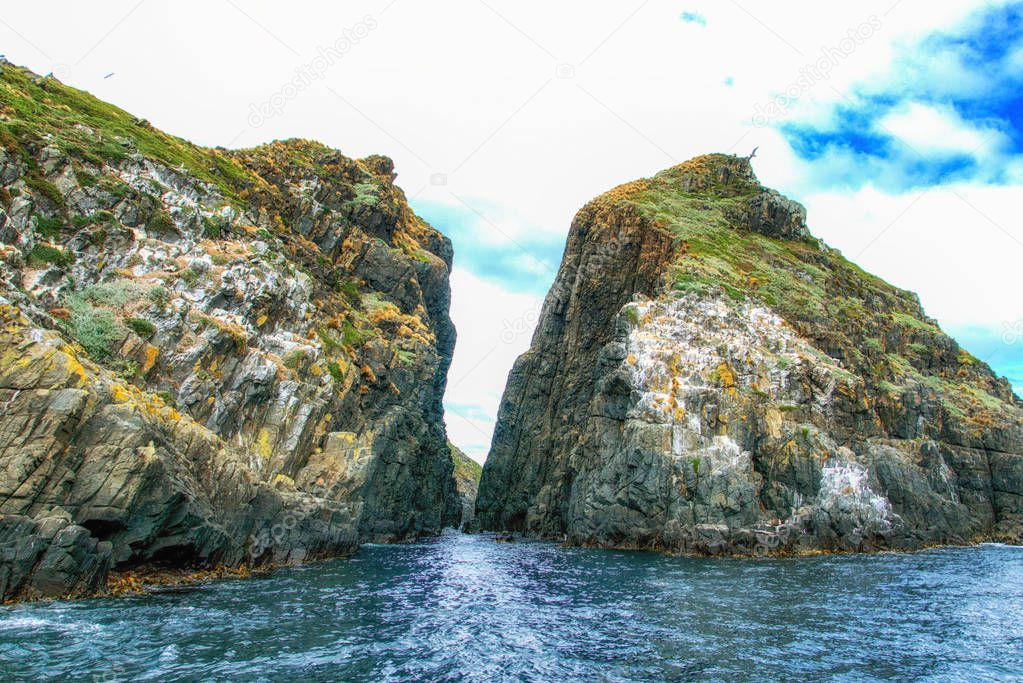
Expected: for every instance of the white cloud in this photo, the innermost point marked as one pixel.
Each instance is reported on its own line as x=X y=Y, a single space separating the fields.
x=932 y=129
x=1014 y=60
x=1014 y=171
x=494 y=224
x=959 y=247
x=494 y=327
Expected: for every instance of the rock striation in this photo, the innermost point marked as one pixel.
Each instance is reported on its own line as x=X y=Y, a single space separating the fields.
x=207 y=357
x=706 y=377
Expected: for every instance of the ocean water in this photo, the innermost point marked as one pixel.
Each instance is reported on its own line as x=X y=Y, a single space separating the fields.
x=469 y=608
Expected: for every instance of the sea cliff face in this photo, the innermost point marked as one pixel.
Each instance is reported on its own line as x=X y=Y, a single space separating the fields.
x=467 y=482
x=207 y=357
x=707 y=377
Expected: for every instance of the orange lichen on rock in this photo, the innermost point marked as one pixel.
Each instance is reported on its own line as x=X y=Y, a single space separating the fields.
x=152 y=353
x=727 y=378
x=367 y=373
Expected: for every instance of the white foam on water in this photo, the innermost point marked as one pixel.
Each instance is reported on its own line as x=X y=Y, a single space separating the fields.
x=27 y=623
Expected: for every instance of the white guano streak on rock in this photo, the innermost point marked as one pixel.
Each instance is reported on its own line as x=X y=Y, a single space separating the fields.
x=675 y=346
x=845 y=488
x=673 y=350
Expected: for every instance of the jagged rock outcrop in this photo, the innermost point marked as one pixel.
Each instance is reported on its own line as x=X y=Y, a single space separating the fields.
x=706 y=377
x=207 y=357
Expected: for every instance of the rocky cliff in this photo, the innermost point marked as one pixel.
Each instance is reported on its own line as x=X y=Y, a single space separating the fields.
x=467 y=482
x=707 y=377
x=207 y=357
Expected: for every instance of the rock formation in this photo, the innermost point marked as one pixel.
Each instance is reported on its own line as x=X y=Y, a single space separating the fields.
x=467 y=481
x=207 y=357
x=706 y=377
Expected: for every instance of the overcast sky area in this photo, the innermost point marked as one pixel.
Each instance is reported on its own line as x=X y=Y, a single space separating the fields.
x=898 y=124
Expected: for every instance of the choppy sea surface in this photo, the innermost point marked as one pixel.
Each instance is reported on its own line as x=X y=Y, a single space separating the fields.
x=469 y=608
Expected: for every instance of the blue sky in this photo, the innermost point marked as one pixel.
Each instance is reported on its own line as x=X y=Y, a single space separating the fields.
x=962 y=86
x=948 y=112
x=693 y=18
x=524 y=262
x=900 y=130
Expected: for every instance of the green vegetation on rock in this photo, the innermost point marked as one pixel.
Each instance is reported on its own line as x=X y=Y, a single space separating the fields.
x=96 y=329
x=466 y=469
x=705 y=205
x=45 y=255
x=46 y=112
x=141 y=327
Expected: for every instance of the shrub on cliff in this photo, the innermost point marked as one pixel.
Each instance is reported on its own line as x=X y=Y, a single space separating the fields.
x=161 y=223
x=96 y=329
x=117 y=293
x=142 y=327
x=42 y=255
